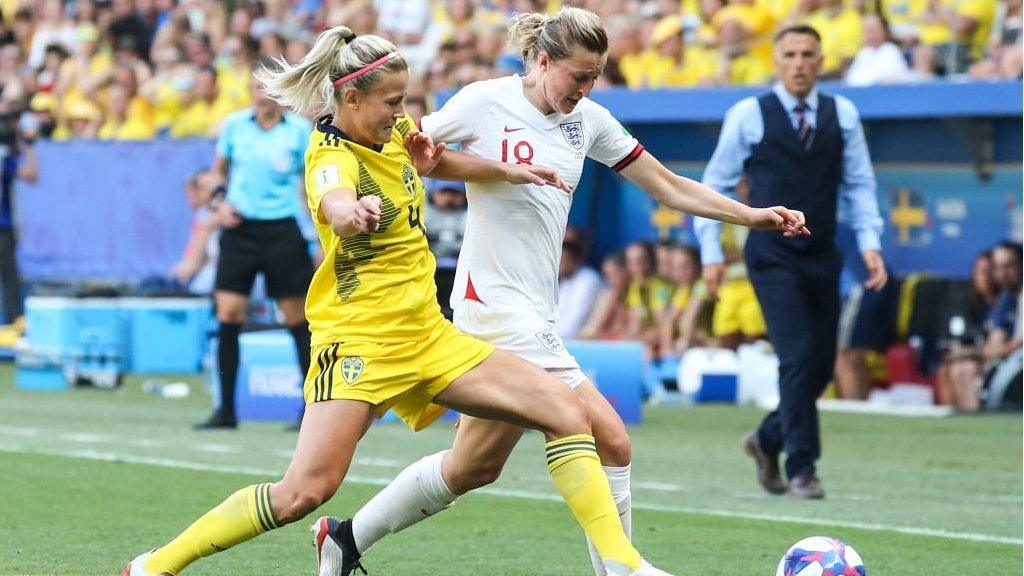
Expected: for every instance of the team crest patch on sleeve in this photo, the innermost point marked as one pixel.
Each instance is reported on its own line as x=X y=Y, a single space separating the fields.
x=550 y=341
x=351 y=368
x=573 y=133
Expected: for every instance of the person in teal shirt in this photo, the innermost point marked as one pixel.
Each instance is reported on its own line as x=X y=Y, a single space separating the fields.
x=260 y=153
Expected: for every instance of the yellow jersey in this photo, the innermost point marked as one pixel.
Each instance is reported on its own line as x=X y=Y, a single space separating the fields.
x=201 y=119
x=681 y=297
x=376 y=287
x=130 y=129
x=649 y=298
x=842 y=36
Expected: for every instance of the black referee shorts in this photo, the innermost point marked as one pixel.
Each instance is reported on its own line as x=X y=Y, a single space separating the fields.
x=274 y=247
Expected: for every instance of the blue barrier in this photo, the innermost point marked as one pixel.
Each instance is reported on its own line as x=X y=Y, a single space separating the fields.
x=892 y=102
x=111 y=210
x=617 y=369
x=270 y=386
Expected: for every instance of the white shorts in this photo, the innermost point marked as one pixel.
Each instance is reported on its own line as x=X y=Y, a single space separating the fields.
x=524 y=334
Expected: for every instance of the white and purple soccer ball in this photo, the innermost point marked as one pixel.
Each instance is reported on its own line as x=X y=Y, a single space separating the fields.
x=821 y=556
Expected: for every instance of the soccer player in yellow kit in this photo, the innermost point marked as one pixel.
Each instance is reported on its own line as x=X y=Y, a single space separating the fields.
x=379 y=341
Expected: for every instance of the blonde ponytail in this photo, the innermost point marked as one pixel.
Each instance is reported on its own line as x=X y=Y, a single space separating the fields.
x=524 y=31
x=308 y=86
x=557 y=35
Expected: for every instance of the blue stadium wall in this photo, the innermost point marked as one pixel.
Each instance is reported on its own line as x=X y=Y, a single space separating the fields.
x=948 y=159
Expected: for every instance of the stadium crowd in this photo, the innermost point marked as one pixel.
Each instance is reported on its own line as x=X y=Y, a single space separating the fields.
x=139 y=69
x=144 y=69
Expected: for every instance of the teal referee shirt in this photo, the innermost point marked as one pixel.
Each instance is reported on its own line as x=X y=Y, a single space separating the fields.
x=265 y=166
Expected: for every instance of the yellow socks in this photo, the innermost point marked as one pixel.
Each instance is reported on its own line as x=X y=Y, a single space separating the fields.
x=576 y=469
x=244 y=515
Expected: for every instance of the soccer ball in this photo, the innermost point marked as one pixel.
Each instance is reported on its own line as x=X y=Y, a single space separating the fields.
x=821 y=556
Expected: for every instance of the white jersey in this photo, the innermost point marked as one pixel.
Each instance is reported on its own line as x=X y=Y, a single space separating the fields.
x=510 y=253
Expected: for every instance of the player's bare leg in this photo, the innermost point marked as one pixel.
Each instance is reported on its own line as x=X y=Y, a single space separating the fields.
x=322 y=457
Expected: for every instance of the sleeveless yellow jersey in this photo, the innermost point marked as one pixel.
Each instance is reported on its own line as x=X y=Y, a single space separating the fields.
x=375 y=287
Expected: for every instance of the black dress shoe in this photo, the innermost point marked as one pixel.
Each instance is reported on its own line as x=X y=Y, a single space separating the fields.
x=768 y=475
x=216 y=421
x=806 y=487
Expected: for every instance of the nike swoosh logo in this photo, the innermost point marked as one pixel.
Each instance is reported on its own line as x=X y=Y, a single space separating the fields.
x=507 y=129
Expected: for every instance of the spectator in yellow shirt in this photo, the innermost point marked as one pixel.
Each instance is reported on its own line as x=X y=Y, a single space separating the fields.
x=82 y=75
x=757 y=22
x=957 y=31
x=80 y=119
x=702 y=40
x=624 y=66
x=737 y=64
x=121 y=123
x=842 y=35
x=665 y=64
x=737 y=317
x=203 y=109
x=685 y=263
x=783 y=9
x=164 y=89
x=647 y=296
x=235 y=68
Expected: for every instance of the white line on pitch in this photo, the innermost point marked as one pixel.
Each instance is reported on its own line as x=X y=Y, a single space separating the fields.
x=217 y=448
x=17 y=431
x=380 y=481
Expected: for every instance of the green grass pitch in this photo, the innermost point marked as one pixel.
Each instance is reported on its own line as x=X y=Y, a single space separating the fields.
x=90 y=478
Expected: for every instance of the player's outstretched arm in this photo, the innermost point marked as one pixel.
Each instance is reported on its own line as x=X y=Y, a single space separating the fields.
x=438 y=162
x=689 y=196
x=347 y=215
x=468 y=168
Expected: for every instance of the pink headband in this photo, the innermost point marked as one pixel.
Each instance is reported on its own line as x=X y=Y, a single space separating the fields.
x=375 y=64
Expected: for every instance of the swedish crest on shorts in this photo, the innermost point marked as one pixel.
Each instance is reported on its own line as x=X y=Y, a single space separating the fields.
x=573 y=133
x=351 y=368
x=409 y=179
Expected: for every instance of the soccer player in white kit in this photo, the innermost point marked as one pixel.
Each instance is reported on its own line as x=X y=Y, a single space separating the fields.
x=506 y=283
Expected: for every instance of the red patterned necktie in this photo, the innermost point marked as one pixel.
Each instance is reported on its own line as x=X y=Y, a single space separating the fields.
x=803 y=127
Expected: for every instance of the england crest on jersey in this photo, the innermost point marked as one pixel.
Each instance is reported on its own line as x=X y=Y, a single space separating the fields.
x=549 y=340
x=573 y=133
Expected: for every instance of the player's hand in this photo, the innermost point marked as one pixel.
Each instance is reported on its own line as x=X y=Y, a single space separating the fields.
x=877 y=275
x=183 y=273
x=228 y=216
x=791 y=222
x=539 y=175
x=713 y=274
x=366 y=214
x=425 y=154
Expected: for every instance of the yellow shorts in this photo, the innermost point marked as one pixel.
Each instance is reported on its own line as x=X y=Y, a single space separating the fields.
x=737 y=310
x=404 y=377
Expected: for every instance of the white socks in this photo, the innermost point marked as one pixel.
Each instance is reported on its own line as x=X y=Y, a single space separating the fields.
x=618 y=480
x=417 y=493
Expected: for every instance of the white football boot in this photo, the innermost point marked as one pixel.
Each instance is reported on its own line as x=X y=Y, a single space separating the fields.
x=645 y=569
x=336 y=554
x=137 y=567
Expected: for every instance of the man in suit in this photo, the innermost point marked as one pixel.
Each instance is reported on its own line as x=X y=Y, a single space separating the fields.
x=804 y=149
